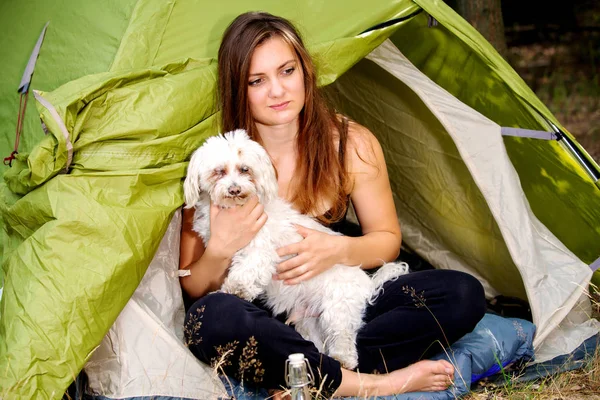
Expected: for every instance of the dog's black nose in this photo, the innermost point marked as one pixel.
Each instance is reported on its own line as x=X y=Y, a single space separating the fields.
x=234 y=190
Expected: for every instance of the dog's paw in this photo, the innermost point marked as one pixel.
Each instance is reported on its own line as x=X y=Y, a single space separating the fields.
x=347 y=361
x=346 y=355
x=248 y=293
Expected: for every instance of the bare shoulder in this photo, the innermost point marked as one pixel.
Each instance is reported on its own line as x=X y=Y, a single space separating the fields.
x=364 y=150
x=371 y=192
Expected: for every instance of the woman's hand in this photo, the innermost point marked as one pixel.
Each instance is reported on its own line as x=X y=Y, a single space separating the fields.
x=233 y=228
x=314 y=254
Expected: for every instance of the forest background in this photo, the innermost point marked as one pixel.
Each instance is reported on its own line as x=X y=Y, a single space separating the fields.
x=555 y=47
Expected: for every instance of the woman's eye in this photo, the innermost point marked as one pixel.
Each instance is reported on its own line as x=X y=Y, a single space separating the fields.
x=289 y=71
x=254 y=82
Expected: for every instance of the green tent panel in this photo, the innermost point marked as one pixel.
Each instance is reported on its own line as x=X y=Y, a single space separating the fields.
x=126 y=92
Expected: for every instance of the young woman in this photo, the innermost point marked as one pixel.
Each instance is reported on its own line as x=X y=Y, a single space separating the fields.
x=267 y=85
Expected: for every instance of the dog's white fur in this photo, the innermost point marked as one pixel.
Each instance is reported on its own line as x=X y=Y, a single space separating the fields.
x=327 y=309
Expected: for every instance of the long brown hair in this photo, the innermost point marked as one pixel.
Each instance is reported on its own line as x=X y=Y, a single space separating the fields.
x=320 y=178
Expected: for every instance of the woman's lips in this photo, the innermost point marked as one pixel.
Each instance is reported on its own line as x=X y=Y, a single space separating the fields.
x=280 y=106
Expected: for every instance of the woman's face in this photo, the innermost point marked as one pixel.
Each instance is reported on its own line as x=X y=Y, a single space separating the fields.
x=275 y=84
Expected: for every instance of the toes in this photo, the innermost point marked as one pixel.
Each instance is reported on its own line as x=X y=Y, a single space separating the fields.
x=444 y=367
x=441 y=380
x=442 y=384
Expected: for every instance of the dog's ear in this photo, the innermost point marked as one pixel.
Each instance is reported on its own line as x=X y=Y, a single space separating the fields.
x=266 y=180
x=191 y=185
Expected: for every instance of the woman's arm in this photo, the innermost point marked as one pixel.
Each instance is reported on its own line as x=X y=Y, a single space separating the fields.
x=372 y=199
x=208 y=270
x=373 y=202
x=231 y=229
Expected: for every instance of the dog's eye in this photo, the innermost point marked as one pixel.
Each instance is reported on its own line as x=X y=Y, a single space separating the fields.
x=220 y=171
x=244 y=169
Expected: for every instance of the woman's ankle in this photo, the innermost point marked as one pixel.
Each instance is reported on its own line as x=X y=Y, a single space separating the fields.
x=357 y=384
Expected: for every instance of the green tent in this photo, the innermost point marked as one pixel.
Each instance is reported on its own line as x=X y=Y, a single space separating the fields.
x=125 y=90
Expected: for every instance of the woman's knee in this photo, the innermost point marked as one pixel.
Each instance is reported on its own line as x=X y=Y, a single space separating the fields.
x=215 y=304
x=469 y=297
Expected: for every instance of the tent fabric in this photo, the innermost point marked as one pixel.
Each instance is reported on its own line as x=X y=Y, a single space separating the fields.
x=144 y=352
x=136 y=95
x=493 y=177
x=161 y=32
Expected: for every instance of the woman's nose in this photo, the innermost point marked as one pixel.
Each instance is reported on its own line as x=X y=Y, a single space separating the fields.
x=277 y=89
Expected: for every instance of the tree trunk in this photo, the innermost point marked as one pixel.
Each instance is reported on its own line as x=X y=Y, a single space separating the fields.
x=486 y=17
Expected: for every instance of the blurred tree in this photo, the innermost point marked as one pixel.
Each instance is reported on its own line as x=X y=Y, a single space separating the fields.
x=486 y=17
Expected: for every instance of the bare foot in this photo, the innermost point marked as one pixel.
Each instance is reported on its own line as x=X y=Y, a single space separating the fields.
x=423 y=376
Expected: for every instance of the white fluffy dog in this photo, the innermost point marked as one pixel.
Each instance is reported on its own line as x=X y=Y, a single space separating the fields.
x=327 y=309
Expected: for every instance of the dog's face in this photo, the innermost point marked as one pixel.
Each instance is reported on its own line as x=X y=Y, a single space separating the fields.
x=230 y=168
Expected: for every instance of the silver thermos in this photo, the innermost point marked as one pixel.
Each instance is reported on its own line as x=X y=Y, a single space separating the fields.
x=298 y=376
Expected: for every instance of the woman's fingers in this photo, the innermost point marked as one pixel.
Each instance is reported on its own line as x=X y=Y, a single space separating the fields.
x=256 y=210
x=252 y=202
x=301 y=278
x=292 y=263
x=291 y=249
x=261 y=221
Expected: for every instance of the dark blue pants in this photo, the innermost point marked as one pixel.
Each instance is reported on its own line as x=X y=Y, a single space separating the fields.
x=414 y=318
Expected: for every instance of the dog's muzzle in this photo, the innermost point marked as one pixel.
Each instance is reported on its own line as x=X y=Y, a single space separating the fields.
x=234 y=190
